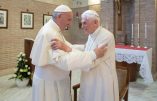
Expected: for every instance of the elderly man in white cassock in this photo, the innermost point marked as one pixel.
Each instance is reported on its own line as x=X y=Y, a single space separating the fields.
x=100 y=82
x=51 y=81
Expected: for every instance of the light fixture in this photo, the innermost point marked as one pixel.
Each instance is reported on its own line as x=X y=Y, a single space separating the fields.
x=94 y=2
x=94 y=5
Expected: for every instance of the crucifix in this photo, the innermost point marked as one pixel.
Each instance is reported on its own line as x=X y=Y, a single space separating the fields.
x=119 y=14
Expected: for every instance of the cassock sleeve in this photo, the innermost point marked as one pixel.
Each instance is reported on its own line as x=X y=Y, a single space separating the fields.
x=39 y=54
x=79 y=47
x=40 y=50
x=73 y=60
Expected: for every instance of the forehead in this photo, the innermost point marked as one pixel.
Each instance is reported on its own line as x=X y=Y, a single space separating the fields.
x=68 y=14
x=85 y=20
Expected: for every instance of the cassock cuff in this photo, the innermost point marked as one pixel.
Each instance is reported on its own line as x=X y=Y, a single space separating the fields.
x=93 y=55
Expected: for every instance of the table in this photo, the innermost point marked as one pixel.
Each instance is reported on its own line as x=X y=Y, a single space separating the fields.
x=142 y=56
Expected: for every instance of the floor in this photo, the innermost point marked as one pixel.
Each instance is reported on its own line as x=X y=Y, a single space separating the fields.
x=138 y=91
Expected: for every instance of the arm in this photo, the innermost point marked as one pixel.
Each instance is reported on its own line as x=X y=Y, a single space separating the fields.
x=80 y=47
x=57 y=44
x=76 y=59
x=76 y=46
x=73 y=60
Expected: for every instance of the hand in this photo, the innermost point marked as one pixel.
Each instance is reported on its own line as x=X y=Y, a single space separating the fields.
x=100 y=51
x=57 y=44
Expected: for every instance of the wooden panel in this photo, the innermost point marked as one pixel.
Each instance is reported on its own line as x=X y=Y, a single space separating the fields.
x=28 y=43
x=133 y=68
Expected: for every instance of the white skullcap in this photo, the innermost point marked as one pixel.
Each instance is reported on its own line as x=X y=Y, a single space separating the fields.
x=62 y=8
x=90 y=13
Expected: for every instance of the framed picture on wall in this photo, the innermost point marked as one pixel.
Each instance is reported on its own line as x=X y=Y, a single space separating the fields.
x=46 y=18
x=3 y=18
x=27 y=20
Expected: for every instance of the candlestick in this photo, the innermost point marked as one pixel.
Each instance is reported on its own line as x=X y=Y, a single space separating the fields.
x=145 y=47
x=145 y=36
x=132 y=35
x=138 y=32
x=145 y=30
x=132 y=32
x=138 y=37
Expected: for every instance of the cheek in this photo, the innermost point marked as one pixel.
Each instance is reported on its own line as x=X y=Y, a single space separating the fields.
x=89 y=27
x=84 y=26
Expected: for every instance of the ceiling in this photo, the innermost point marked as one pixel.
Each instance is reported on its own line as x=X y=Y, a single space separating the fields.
x=57 y=2
x=71 y=3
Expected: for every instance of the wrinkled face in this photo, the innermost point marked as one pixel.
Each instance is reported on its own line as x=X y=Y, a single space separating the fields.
x=65 y=20
x=88 y=25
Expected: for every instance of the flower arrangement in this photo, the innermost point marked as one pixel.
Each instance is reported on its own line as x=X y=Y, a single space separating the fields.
x=22 y=69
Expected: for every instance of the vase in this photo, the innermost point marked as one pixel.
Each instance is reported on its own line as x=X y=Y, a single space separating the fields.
x=22 y=83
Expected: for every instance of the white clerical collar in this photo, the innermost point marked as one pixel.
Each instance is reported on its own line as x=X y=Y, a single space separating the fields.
x=93 y=35
x=55 y=25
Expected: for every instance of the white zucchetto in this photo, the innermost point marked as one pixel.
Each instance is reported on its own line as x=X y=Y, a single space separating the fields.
x=90 y=13
x=62 y=8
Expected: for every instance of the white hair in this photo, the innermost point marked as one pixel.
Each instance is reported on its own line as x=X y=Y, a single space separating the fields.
x=55 y=14
x=90 y=14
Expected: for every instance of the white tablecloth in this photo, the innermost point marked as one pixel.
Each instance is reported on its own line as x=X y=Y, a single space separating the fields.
x=142 y=57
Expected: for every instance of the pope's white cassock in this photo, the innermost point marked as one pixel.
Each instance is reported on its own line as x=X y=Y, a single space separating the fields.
x=51 y=80
x=100 y=83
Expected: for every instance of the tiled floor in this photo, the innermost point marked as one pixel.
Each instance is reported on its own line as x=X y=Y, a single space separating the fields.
x=138 y=91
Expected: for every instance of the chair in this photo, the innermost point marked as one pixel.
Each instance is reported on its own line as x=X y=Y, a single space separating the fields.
x=133 y=69
x=75 y=87
x=123 y=82
x=28 y=43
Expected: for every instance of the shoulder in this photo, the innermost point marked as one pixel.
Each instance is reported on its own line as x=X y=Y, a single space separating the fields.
x=104 y=33
x=48 y=30
x=46 y=33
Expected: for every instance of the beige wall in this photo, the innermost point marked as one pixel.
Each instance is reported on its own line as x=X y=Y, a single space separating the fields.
x=11 y=39
x=155 y=55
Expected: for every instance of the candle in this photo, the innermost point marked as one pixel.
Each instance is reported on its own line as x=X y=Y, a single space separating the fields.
x=132 y=31
x=145 y=30
x=138 y=32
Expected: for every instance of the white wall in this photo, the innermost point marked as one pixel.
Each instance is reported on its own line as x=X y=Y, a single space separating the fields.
x=57 y=2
